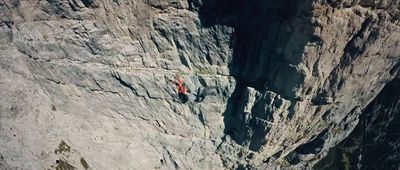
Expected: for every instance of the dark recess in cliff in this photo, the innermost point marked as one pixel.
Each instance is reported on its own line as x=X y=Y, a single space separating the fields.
x=375 y=142
x=313 y=147
x=262 y=31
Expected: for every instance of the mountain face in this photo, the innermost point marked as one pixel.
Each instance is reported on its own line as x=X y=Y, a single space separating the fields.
x=86 y=84
x=374 y=143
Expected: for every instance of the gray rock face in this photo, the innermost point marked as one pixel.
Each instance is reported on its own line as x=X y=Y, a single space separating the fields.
x=86 y=84
x=94 y=77
x=312 y=71
x=374 y=143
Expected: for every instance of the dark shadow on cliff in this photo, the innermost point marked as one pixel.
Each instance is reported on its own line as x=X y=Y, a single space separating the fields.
x=374 y=143
x=268 y=41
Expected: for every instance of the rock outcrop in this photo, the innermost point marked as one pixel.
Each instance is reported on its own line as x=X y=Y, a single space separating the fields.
x=311 y=67
x=374 y=143
x=85 y=84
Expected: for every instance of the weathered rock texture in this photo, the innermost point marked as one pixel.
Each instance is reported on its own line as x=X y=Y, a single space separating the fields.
x=86 y=83
x=375 y=142
x=304 y=72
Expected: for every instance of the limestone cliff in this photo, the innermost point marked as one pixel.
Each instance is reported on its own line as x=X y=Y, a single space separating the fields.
x=85 y=84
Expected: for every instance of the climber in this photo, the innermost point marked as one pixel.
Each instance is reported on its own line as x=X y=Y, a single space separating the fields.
x=182 y=90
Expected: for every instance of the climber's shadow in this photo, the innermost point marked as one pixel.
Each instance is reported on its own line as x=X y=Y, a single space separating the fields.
x=269 y=38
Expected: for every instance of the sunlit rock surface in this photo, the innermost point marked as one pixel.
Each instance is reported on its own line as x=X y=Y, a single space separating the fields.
x=86 y=84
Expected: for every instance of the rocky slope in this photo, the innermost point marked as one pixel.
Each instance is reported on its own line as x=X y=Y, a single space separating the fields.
x=85 y=84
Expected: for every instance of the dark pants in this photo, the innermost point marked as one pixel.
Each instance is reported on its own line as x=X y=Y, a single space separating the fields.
x=183 y=97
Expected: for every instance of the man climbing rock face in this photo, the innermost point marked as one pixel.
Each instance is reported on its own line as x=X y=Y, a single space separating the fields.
x=182 y=90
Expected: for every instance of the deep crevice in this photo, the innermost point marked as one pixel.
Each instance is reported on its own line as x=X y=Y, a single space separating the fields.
x=88 y=3
x=268 y=40
x=313 y=147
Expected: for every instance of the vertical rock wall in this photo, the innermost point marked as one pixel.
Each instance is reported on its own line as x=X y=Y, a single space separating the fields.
x=304 y=72
x=374 y=143
x=86 y=84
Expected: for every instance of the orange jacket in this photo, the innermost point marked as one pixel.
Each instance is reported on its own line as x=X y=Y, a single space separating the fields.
x=180 y=86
